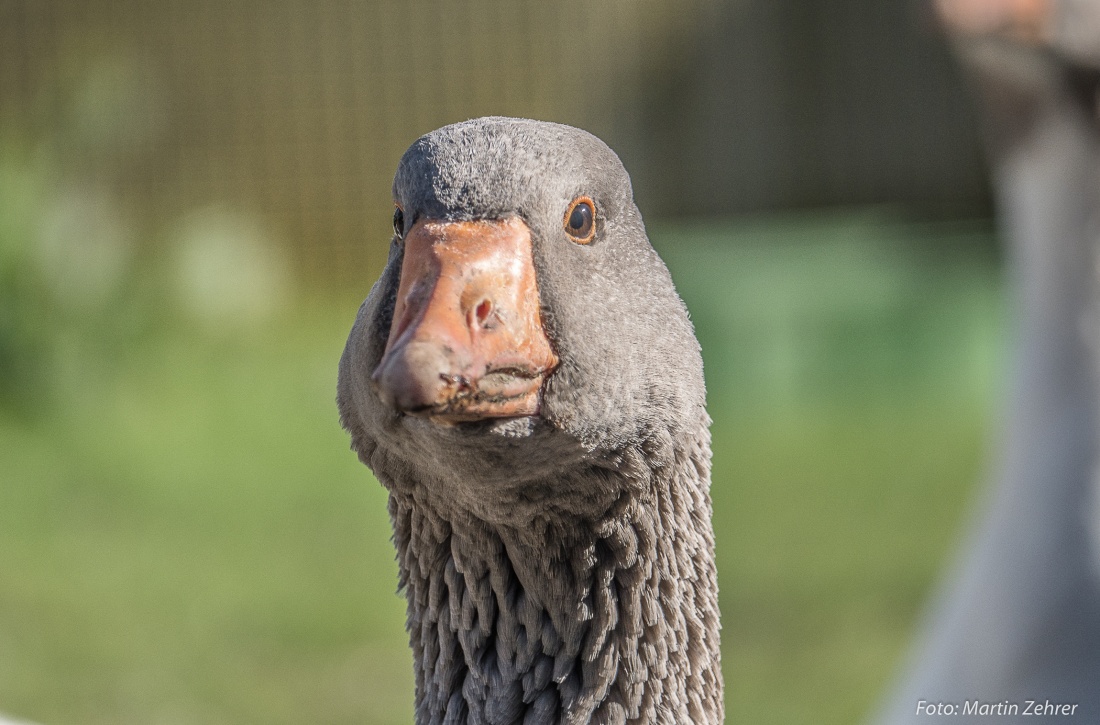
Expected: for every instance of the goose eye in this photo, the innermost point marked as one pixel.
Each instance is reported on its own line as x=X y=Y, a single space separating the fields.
x=580 y=220
x=399 y=222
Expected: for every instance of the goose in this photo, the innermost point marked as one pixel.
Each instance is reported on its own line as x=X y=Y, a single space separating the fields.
x=525 y=382
x=1014 y=630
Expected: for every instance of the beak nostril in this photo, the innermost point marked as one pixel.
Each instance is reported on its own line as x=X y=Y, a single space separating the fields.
x=483 y=312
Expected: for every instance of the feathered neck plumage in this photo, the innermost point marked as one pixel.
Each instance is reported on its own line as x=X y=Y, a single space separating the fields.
x=559 y=618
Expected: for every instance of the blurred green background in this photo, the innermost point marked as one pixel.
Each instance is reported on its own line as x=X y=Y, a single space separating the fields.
x=194 y=200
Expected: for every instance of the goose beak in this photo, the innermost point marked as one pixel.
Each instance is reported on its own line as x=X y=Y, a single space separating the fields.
x=467 y=341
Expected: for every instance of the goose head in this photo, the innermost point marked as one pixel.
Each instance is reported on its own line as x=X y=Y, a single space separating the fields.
x=523 y=323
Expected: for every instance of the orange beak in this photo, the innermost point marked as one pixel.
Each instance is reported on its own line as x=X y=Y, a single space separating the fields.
x=466 y=342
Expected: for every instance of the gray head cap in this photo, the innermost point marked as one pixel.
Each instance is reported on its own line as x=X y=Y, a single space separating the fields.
x=488 y=168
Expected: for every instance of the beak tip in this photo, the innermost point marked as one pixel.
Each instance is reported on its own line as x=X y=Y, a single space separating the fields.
x=404 y=380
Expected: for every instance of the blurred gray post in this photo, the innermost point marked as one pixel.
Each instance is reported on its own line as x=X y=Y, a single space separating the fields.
x=1018 y=618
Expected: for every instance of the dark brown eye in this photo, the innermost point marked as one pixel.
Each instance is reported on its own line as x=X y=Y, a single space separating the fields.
x=580 y=220
x=399 y=222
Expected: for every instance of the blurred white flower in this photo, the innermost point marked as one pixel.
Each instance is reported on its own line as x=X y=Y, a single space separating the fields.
x=229 y=271
x=5 y=721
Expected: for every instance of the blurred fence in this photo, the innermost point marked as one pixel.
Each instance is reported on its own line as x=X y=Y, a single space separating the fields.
x=297 y=112
x=300 y=110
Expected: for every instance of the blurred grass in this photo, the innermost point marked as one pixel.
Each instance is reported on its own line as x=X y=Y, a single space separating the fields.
x=194 y=542
x=852 y=361
x=188 y=539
